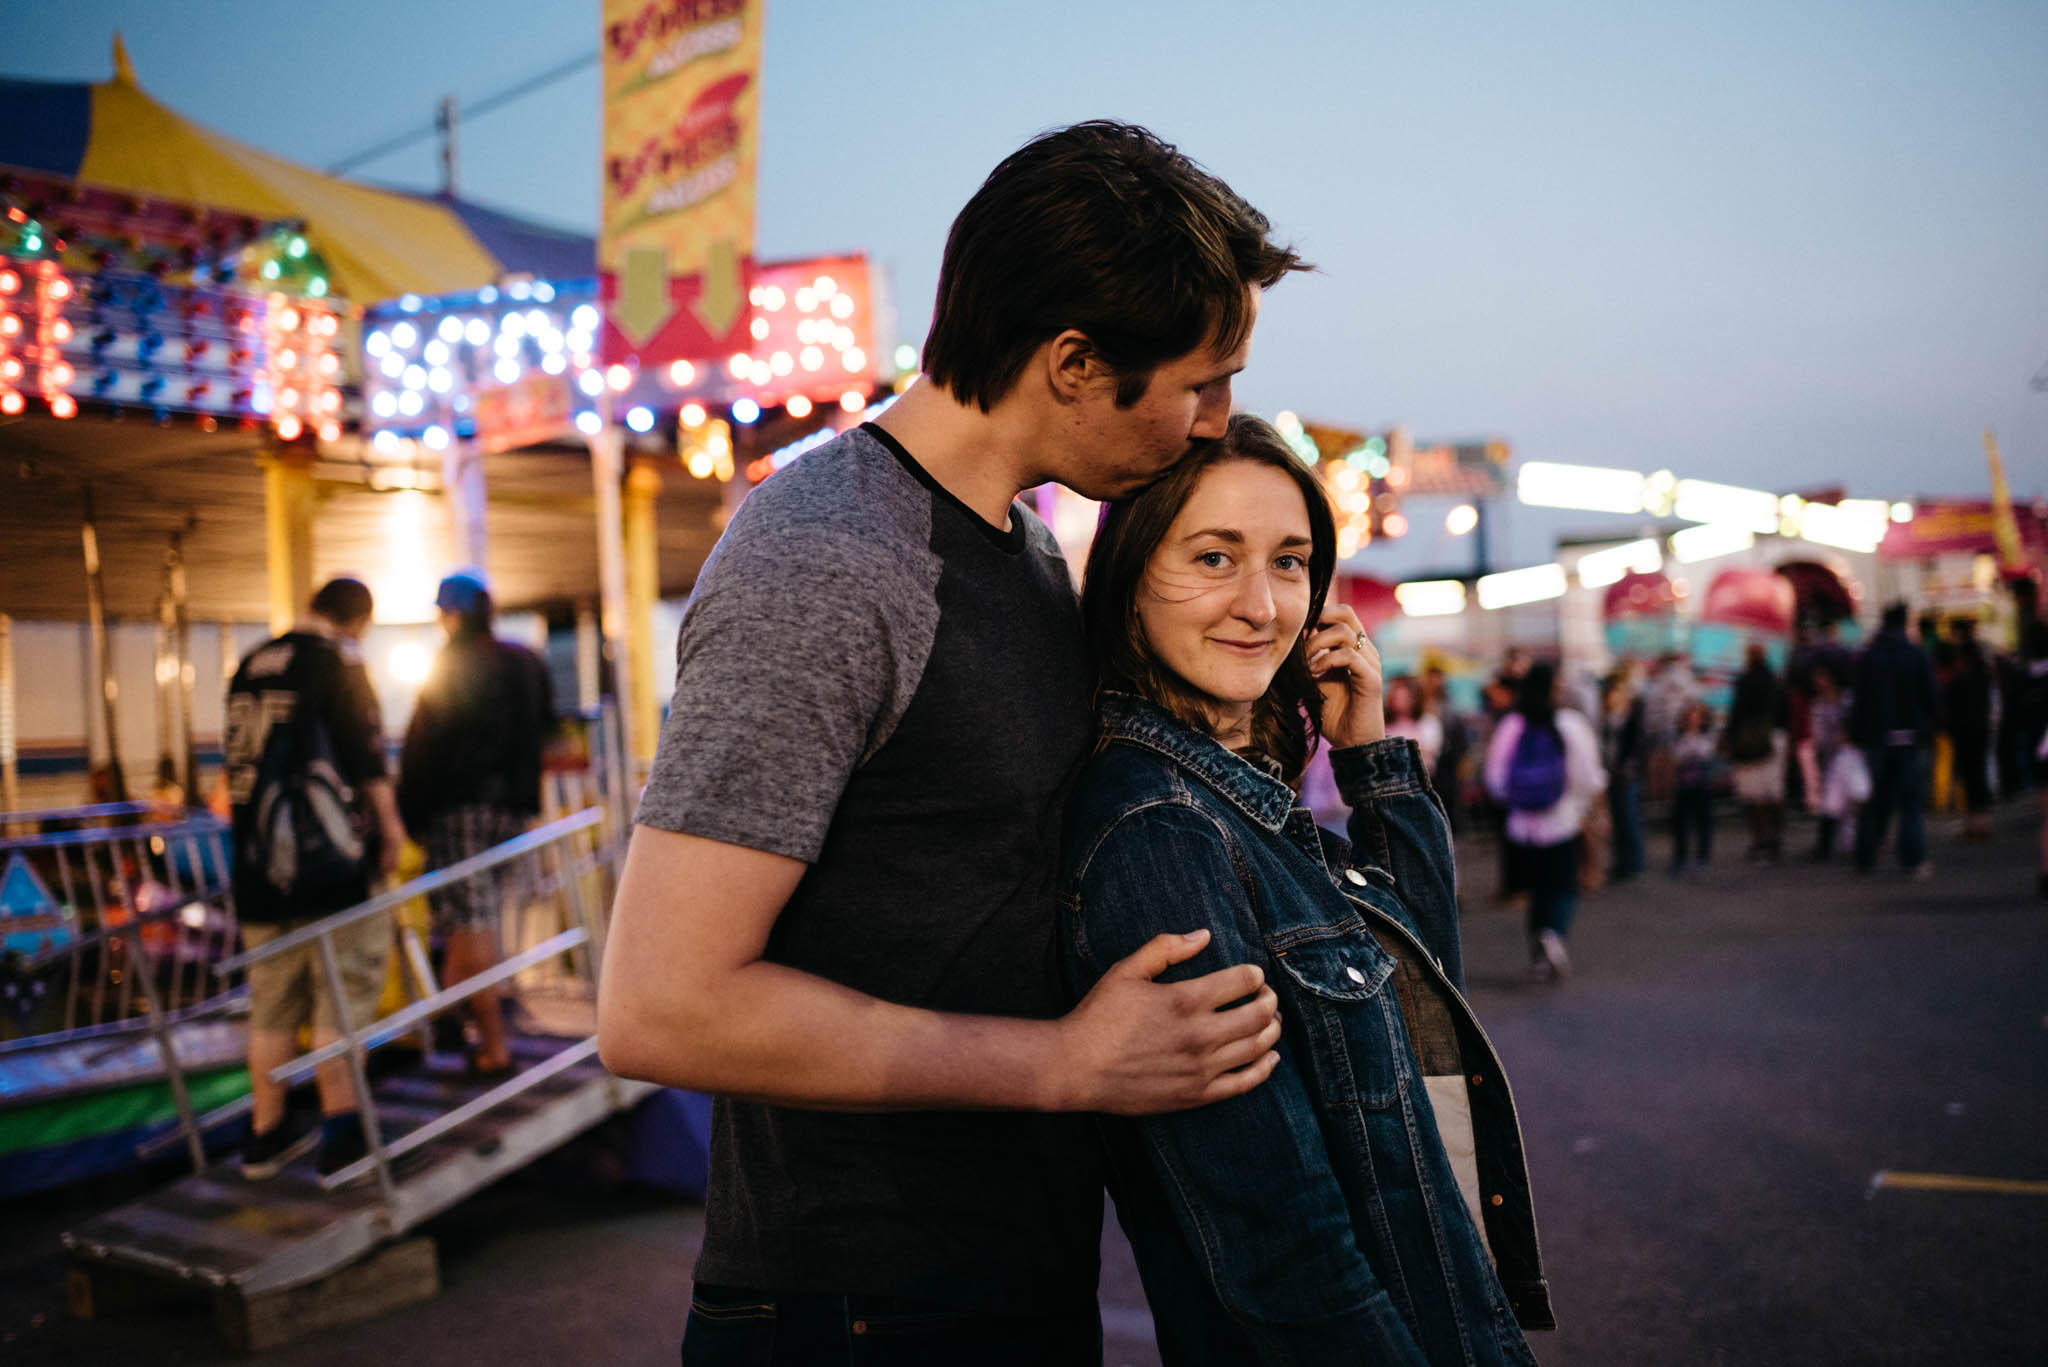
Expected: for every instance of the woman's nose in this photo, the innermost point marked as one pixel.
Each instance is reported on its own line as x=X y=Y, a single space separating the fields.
x=1254 y=600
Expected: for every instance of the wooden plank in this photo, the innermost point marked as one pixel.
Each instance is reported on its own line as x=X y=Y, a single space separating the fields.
x=400 y=1274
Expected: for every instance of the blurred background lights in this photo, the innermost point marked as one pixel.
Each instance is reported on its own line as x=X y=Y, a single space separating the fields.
x=692 y=415
x=410 y=662
x=799 y=406
x=640 y=418
x=681 y=373
x=588 y=423
x=745 y=410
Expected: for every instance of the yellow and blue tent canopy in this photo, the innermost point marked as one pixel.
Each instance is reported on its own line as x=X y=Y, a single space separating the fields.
x=377 y=243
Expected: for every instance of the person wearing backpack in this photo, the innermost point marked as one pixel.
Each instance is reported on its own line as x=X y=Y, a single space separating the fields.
x=1543 y=767
x=314 y=819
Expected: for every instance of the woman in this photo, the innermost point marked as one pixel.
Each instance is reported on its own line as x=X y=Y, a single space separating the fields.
x=1543 y=765
x=1369 y=1201
x=1755 y=742
x=1407 y=716
x=1622 y=747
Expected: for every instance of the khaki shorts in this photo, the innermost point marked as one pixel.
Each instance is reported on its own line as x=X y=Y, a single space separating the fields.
x=291 y=990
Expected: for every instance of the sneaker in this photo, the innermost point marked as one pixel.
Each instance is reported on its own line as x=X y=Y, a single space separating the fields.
x=270 y=1153
x=1551 y=945
x=341 y=1145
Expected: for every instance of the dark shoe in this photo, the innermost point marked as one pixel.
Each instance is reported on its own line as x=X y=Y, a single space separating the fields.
x=341 y=1145
x=270 y=1153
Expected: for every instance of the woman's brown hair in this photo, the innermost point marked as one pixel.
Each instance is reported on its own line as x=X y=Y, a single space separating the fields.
x=1286 y=722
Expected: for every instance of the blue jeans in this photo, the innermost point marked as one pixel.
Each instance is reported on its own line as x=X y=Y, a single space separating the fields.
x=1898 y=778
x=1692 y=824
x=1553 y=873
x=734 y=1327
x=1625 y=808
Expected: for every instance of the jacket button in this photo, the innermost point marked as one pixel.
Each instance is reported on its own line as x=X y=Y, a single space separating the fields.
x=1497 y=1200
x=1354 y=876
x=1476 y=1079
x=1354 y=974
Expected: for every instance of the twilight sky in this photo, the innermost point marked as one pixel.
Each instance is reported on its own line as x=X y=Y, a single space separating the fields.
x=1777 y=244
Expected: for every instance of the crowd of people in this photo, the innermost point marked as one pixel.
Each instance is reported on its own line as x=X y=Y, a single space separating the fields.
x=1866 y=742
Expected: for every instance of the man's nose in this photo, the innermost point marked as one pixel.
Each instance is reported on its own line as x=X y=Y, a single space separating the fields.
x=1212 y=413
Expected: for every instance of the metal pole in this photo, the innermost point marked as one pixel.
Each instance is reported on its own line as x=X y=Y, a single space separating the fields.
x=96 y=618
x=10 y=762
x=366 y=1108
x=138 y=967
x=607 y=468
x=181 y=646
x=162 y=668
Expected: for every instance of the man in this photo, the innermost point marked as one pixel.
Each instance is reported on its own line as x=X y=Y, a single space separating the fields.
x=837 y=913
x=1892 y=718
x=303 y=722
x=468 y=779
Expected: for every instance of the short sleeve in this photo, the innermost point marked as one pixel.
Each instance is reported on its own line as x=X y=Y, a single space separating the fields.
x=355 y=724
x=796 y=656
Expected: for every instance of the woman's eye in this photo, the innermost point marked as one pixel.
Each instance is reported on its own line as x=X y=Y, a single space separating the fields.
x=1213 y=560
x=1290 y=564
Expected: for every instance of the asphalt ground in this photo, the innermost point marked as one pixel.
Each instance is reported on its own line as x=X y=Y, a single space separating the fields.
x=1709 y=1104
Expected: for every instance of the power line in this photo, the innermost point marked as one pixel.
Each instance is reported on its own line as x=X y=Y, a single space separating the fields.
x=487 y=104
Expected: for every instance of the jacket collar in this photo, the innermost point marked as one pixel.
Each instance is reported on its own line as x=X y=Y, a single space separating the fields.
x=1240 y=781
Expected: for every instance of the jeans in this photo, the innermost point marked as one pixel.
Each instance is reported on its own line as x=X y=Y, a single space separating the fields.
x=734 y=1327
x=1553 y=874
x=1625 y=808
x=1898 y=778
x=1692 y=823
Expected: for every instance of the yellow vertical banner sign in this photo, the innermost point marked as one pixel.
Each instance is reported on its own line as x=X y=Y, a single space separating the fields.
x=675 y=250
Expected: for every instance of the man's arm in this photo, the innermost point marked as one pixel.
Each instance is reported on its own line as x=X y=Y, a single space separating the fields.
x=686 y=1000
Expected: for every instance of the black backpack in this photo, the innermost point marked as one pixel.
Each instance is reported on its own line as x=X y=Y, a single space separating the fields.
x=306 y=838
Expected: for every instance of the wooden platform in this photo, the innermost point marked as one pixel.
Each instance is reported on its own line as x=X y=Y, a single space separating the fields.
x=251 y=1240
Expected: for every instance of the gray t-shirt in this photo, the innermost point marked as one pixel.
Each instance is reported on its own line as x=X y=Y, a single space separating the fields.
x=872 y=679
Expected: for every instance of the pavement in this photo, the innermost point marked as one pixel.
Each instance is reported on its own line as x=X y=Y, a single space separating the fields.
x=1779 y=1115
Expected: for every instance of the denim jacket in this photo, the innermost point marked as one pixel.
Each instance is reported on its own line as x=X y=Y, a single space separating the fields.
x=1321 y=1217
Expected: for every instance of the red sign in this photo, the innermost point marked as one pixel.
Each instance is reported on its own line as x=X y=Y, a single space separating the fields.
x=534 y=409
x=1942 y=525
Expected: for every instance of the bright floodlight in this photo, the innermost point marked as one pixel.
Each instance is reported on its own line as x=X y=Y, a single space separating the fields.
x=1430 y=597
x=1591 y=488
x=1598 y=569
x=410 y=662
x=1702 y=500
x=1512 y=587
x=1709 y=541
x=1851 y=525
x=1460 y=520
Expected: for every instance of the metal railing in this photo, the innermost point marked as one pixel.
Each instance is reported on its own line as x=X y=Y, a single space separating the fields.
x=554 y=885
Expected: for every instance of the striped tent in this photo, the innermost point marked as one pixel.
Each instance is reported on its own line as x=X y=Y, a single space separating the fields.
x=377 y=243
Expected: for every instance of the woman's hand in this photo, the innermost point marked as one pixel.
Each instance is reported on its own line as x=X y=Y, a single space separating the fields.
x=1347 y=670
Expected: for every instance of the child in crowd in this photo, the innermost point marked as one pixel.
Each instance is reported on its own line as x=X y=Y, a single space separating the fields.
x=1694 y=755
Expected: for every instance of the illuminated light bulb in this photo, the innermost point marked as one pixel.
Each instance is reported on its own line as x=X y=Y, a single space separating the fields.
x=64 y=406
x=1902 y=512
x=854 y=359
x=554 y=363
x=1461 y=519
x=287 y=397
x=591 y=383
x=506 y=345
x=740 y=364
x=287 y=359
x=550 y=340
x=10 y=326
x=1394 y=524
x=759 y=327
x=693 y=415
x=289 y=320
x=412 y=403
x=9 y=282
x=327 y=325
x=61 y=373
x=543 y=291
x=60 y=331
x=806 y=299
x=760 y=372
x=409 y=303
x=392 y=366
x=317 y=287
x=512 y=325
x=450 y=329
x=782 y=363
x=11 y=402
x=799 y=406
x=59 y=289
x=580 y=342
x=699 y=464
x=906 y=357
x=476 y=332
x=842 y=338
x=745 y=410
x=1345 y=478
x=330 y=401
x=811 y=358
x=842 y=306
x=330 y=431
x=536 y=322
x=506 y=371
x=853 y=401
x=383 y=403
x=754 y=296
x=10 y=369
x=584 y=318
x=681 y=373
x=289 y=427
x=330 y=364
x=588 y=423
x=415 y=377
x=772 y=298
x=386 y=442
x=296 y=248
x=435 y=438
x=824 y=287
x=619 y=378
x=640 y=418
x=377 y=344
x=436 y=352
x=270 y=270
x=403 y=335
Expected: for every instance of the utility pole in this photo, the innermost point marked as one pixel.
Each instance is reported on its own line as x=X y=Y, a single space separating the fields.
x=446 y=121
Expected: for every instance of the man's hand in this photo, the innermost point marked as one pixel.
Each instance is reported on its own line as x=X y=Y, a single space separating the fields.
x=1138 y=1047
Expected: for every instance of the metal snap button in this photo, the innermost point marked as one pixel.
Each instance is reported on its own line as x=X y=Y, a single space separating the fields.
x=1499 y=1199
x=860 y=1326
x=1353 y=875
x=1477 y=1079
x=1354 y=974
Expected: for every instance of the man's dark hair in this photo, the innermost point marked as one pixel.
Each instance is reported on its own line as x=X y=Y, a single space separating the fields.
x=1894 y=616
x=1536 y=698
x=1107 y=229
x=343 y=601
x=1287 y=721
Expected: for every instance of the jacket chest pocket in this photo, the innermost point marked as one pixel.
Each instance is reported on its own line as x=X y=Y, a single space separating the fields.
x=1337 y=977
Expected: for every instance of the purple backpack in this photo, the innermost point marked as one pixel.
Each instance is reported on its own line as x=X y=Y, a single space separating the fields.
x=1536 y=773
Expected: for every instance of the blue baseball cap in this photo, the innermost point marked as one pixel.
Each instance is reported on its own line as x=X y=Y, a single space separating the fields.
x=461 y=590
